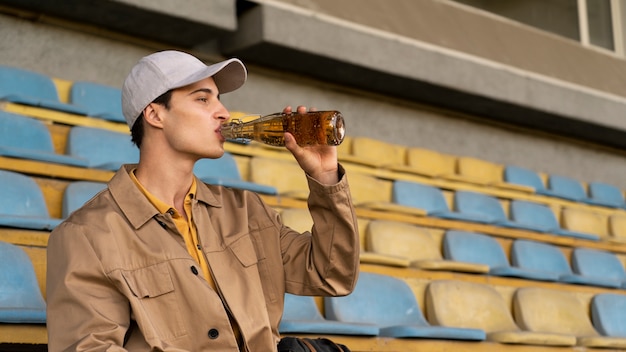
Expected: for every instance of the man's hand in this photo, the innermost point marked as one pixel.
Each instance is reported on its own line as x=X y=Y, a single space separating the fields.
x=319 y=162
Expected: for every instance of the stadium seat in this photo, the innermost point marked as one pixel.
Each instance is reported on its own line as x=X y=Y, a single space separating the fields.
x=559 y=312
x=570 y=189
x=301 y=315
x=430 y=163
x=23 y=204
x=601 y=265
x=588 y=224
x=30 y=88
x=284 y=175
x=607 y=314
x=542 y=219
x=377 y=152
x=103 y=149
x=430 y=199
x=224 y=172
x=606 y=194
x=486 y=206
x=391 y=304
x=483 y=249
x=376 y=194
x=539 y=256
x=617 y=227
x=77 y=193
x=414 y=243
x=487 y=173
x=21 y=300
x=27 y=138
x=526 y=177
x=464 y=304
x=98 y=100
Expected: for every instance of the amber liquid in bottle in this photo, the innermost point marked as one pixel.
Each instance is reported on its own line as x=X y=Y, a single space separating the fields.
x=311 y=128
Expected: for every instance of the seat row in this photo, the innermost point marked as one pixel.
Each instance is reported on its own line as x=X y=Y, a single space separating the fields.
x=382 y=305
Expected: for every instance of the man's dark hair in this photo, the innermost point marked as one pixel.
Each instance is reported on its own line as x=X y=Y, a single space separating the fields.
x=136 y=132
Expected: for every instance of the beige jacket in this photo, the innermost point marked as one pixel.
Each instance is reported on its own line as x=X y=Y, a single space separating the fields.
x=120 y=277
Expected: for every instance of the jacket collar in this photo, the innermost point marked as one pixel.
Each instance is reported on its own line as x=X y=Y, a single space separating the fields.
x=134 y=204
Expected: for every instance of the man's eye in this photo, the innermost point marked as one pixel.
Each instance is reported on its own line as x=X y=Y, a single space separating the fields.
x=204 y=100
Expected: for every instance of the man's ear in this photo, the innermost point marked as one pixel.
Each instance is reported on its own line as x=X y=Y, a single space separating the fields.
x=153 y=115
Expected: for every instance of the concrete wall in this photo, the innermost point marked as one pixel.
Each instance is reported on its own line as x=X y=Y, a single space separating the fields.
x=60 y=49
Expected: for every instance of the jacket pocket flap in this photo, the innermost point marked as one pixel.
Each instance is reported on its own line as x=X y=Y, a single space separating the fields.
x=243 y=248
x=151 y=281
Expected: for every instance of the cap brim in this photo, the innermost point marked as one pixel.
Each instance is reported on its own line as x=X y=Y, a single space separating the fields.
x=228 y=76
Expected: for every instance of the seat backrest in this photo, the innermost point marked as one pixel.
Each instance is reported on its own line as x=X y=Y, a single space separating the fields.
x=98 y=100
x=21 y=196
x=472 y=247
x=566 y=187
x=531 y=213
x=417 y=195
x=523 y=176
x=20 y=82
x=551 y=311
x=466 y=304
x=475 y=203
x=297 y=219
x=584 y=221
x=606 y=193
x=17 y=131
x=430 y=162
x=617 y=226
x=539 y=256
x=285 y=175
x=77 y=193
x=401 y=239
x=223 y=167
x=104 y=149
x=481 y=171
x=597 y=263
x=301 y=308
x=21 y=300
x=378 y=152
x=366 y=189
x=607 y=314
x=377 y=299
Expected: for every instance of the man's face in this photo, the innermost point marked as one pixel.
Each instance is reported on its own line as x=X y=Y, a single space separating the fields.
x=192 y=124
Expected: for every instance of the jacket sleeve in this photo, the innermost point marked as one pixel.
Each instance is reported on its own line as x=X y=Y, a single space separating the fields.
x=326 y=260
x=84 y=310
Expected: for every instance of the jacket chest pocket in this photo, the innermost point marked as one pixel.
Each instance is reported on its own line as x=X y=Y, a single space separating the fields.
x=155 y=304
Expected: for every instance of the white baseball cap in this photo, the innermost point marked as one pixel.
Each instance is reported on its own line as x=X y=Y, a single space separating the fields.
x=157 y=73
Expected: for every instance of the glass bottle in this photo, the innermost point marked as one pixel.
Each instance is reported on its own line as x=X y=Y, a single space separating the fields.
x=310 y=128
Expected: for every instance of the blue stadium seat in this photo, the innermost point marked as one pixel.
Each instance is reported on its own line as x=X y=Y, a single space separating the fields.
x=31 y=88
x=542 y=219
x=526 y=177
x=544 y=257
x=301 y=315
x=606 y=194
x=78 y=193
x=489 y=207
x=391 y=304
x=20 y=298
x=599 y=264
x=607 y=314
x=103 y=149
x=224 y=172
x=23 y=204
x=98 y=100
x=570 y=189
x=430 y=199
x=27 y=138
x=480 y=248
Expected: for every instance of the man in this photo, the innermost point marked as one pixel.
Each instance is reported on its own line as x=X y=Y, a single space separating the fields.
x=160 y=261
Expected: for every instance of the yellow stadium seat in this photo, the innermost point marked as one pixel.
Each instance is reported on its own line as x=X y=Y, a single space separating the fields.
x=297 y=219
x=559 y=312
x=584 y=221
x=465 y=304
x=486 y=173
x=428 y=163
x=617 y=227
x=379 y=153
x=284 y=175
x=414 y=243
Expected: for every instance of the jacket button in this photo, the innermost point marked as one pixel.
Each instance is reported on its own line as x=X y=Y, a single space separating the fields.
x=194 y=270
x=213 y=334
